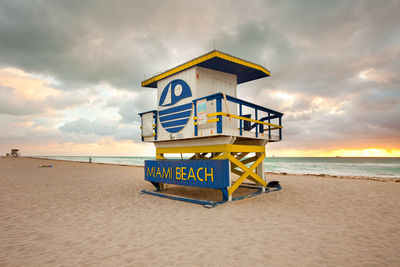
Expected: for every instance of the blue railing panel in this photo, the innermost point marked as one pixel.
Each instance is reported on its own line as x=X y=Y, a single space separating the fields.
x=239 y=101
x=243 y=125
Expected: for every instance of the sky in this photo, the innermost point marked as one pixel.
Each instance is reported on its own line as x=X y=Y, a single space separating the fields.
x=70 y=71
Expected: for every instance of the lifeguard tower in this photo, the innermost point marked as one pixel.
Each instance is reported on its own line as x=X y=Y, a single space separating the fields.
x=15 y=152
x=216 y=134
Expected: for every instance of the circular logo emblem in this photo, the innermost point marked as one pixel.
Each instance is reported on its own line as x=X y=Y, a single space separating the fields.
x=174 y=115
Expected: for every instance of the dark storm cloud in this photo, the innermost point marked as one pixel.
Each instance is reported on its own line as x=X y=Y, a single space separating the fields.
x=316 y=46
x=84 y=43
x=343 y=52
x=79 y=43
x=320 y=49
x=88 y=42
x=256 y=42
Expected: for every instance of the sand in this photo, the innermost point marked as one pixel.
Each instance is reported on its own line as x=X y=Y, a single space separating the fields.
x=93 y=214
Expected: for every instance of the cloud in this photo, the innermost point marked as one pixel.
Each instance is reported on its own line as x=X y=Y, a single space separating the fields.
x=85 y=126
x=70 y=71
x=130 y=108
x=92 y=129
x=10 y=103
x=82 y=44
x=67 y=99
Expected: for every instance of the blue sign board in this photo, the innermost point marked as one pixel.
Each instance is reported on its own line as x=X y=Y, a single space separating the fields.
x=198 y=173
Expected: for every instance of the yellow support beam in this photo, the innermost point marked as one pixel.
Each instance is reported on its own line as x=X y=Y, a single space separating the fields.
x=239 y=156
x=246 y=148
x=247 y=172
x=193 y=149
x=237 y=184
x=158 y=156
x=240 y=173
x=253 y=174
x=221 y=156
x=248 y=160
x=253 y=180
x=211 y=149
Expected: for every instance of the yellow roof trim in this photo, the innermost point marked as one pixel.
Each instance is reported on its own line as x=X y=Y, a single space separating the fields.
x=242 y=62
x=201 y=59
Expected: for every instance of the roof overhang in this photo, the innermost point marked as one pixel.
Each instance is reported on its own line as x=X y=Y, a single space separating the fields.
x=244 y=70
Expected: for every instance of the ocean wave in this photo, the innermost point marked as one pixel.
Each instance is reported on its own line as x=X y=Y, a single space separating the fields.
x=368 y=167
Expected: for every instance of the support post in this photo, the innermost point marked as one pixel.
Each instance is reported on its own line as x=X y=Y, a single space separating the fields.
x=156 y=185
x=219 y=109
x=261 y=171
x=141 y=129
x=225 y=195
x=256 y=116
x=269 y=126
x=195 y=115
x=240 y=121
x=156 y=123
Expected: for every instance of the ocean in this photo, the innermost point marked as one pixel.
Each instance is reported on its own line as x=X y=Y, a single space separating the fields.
x=340 y=166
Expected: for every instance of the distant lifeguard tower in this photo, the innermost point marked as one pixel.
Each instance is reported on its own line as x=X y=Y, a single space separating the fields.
x=199 y=116
x=15 y=152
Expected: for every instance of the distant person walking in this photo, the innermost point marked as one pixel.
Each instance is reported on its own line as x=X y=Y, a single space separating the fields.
x=90 y=160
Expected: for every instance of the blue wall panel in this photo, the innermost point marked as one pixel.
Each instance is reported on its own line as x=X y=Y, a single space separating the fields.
x=198 y=173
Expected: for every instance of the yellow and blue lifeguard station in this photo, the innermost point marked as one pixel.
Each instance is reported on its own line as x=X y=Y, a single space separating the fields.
x=199 y=116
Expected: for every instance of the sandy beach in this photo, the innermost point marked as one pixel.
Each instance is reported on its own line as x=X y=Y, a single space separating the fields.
x=93 y=214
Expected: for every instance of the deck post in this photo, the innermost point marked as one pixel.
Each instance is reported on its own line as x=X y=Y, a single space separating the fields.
x=256 y=116
x=261 y=171
x=240 y=121
x=195 y=115
x=219 y=109
x=269 y=126
x=156 y=123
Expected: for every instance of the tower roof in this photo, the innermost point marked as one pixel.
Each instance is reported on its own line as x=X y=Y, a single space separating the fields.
x=216 y=60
